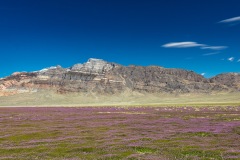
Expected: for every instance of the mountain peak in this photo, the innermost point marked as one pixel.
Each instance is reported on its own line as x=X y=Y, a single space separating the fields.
x=95 y=60
x=93 y=65
x=97 y=75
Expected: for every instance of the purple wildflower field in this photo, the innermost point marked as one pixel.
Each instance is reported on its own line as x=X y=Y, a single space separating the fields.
x=154 y=133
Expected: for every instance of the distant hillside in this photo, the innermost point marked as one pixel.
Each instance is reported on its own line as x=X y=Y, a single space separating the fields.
x=97 y=76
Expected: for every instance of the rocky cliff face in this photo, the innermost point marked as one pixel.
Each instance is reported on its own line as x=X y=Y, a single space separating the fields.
x=102 y=77
x=230 y=80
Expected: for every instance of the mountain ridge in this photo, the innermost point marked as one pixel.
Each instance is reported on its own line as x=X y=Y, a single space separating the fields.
x=102 y=77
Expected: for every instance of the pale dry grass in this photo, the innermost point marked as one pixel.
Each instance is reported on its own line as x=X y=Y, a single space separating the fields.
x=50 y=98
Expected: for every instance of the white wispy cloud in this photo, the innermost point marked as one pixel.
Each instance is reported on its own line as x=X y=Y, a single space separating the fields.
x=209 y=54
x=214 y=47
x=231 y=20
x=231 y=59
x=238 y=60
x=190 y=44
x=182 y=45
x=203 y=74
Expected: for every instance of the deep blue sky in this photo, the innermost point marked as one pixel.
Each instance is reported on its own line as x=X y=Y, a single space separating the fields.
x=35 y=34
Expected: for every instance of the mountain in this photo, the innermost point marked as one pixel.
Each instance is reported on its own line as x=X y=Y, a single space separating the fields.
x=101 y=77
